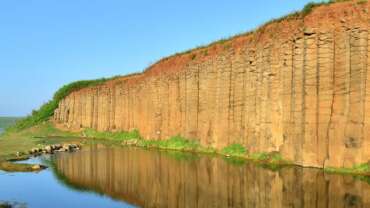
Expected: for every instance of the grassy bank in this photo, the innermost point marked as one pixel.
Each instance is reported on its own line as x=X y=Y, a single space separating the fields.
x=234 y=152
x=41 y=135
x=21 y=142
x=359 y=169
x=47 y=134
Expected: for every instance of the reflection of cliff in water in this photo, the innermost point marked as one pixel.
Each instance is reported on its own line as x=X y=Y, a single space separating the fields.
x=156 y=179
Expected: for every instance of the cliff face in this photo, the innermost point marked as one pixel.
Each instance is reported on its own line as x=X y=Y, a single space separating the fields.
x=297 y=86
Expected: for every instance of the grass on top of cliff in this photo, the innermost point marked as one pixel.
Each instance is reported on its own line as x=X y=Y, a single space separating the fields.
x=47 y=109
x=306 y=10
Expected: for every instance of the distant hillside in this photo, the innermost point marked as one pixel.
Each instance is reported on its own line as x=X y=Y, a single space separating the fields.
x=7 y=121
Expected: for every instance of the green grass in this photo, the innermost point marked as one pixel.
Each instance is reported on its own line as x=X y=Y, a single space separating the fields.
x=38 y=136
x=237 y=154
x=237 y=161
x=22 y=141
x=91 y=133
x=269 y=157
x=259 y=156
x=356 y=169
x=173 y=143
x=234 y=150
x=307 y=9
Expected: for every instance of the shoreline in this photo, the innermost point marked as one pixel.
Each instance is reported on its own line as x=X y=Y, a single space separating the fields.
x=47 y=134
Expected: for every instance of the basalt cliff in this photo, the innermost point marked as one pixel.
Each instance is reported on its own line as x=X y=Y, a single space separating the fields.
x=298 y=86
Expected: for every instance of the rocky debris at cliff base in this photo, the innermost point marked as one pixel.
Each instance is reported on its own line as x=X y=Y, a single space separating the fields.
x=51 y=149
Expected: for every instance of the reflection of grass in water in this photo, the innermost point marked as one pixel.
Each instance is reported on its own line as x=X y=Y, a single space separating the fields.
x=235 y=161
x=181 y=156
x=241 y=162
x=105 y=142
x=365 y=179
x=271 y=166
x=358 y=169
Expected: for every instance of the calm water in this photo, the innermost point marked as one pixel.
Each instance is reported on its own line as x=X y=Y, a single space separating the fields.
x=100 y=176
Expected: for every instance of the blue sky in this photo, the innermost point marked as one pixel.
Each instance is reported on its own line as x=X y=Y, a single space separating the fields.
x=47 y=43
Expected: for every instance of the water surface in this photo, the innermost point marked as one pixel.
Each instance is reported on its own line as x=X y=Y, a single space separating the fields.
x=100 y=176
x=43 y=189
